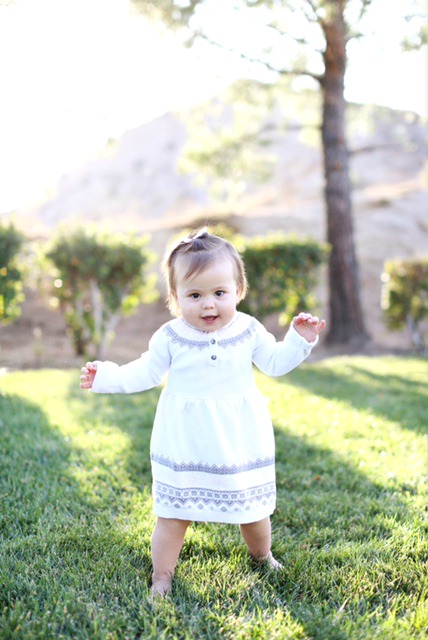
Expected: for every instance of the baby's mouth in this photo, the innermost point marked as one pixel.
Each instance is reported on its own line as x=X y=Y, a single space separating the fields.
x=209 y=318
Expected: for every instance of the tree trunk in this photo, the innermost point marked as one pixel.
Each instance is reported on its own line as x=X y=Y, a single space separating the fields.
x=346 y=322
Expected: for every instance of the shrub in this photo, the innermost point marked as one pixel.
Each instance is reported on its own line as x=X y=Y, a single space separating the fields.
x=404 y=296
x=282 y=273
x=98 y=277
x=11 y=275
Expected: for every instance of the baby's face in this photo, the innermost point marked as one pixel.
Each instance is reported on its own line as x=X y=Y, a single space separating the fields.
x=207 y=300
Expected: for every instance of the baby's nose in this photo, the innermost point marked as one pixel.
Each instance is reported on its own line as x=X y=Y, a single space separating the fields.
x=208 y=303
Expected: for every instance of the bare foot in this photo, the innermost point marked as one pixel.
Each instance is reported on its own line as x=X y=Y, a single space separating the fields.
x=160 y=588
x=269 y=562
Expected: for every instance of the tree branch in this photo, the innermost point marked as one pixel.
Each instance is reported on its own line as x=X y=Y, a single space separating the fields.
x=302 y=41
x=374 y=147
x=265 y=63
x=314 y=8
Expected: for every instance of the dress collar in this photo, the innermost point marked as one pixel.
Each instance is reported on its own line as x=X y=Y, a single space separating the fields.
x=201 y=331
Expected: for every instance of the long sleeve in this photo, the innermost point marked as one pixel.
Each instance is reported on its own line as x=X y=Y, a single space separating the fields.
x=278 y=358
x=139 y=375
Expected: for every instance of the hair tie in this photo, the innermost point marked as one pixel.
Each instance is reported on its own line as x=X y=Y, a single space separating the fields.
x=195 y=237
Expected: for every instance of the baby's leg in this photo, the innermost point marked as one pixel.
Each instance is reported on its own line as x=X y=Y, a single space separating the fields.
x=167 y=540
x=257 y=535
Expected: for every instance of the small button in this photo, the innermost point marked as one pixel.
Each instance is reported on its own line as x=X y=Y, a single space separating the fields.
x=213 y=357
x=213 y=341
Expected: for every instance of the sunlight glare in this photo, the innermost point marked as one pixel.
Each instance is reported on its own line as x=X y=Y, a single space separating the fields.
x=75 y=74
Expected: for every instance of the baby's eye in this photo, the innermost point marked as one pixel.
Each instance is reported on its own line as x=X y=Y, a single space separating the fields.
x=219 y=294
x=195 y=296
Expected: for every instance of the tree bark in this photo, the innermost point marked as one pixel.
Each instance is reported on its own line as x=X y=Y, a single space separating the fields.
x=346 y=322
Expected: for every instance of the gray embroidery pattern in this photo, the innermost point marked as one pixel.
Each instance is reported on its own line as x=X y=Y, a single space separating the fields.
x=226 y=501
x=184 y=342
x=245 y=335
x=204 y=344
x=212 y=469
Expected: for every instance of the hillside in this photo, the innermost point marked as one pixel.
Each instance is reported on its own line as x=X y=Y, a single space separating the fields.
x=135 y=184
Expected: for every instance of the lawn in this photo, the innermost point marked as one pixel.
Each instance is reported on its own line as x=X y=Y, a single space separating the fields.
x=76 y=515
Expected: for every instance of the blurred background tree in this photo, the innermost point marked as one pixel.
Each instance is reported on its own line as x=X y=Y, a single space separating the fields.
x=306 y=38
x=282 y=273
x=404 y=297
x=11 y=273
x=97 y=278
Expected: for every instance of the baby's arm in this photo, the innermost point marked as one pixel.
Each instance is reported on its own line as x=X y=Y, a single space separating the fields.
x=141 y=374
x=278 y=358
x=88 y=375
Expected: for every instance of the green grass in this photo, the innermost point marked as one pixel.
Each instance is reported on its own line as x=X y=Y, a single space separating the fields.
x=76 y=519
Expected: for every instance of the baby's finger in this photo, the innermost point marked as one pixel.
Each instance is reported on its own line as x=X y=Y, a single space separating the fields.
x=305 y=317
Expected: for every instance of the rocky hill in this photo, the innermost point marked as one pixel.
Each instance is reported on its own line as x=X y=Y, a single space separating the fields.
x=135 y=184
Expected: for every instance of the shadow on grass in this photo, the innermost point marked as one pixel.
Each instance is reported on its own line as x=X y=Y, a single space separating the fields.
x=333 y=530
x=62 y=559
x=330 y=522
x=390 y=396
x=75 y=544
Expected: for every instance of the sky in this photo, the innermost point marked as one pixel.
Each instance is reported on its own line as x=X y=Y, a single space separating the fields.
x=76 y=73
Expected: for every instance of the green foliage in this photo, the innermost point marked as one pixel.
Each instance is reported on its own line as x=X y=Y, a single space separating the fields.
x=278 y=47
x=282 y=272
x=98 y=277
x=228 y=145
x=404 y=296
x=76 y=516
x=233 y=140
x=11 y=274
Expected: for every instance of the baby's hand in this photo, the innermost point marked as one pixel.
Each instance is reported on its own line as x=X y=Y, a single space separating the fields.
x=88 y=374
x=308 y=326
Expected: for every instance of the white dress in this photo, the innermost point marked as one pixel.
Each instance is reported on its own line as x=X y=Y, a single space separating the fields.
x=212 y=446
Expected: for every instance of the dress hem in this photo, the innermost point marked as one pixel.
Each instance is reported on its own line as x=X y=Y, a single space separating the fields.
x=220 y=518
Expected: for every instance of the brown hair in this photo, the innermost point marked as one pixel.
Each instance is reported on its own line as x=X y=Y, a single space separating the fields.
x=201 y=249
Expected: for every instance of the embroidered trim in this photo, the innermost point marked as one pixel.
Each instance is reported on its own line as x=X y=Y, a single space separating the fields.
x=198 y=498
x=184 y=342
x=204 y=344
x=260 y=463
x=245 y=335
